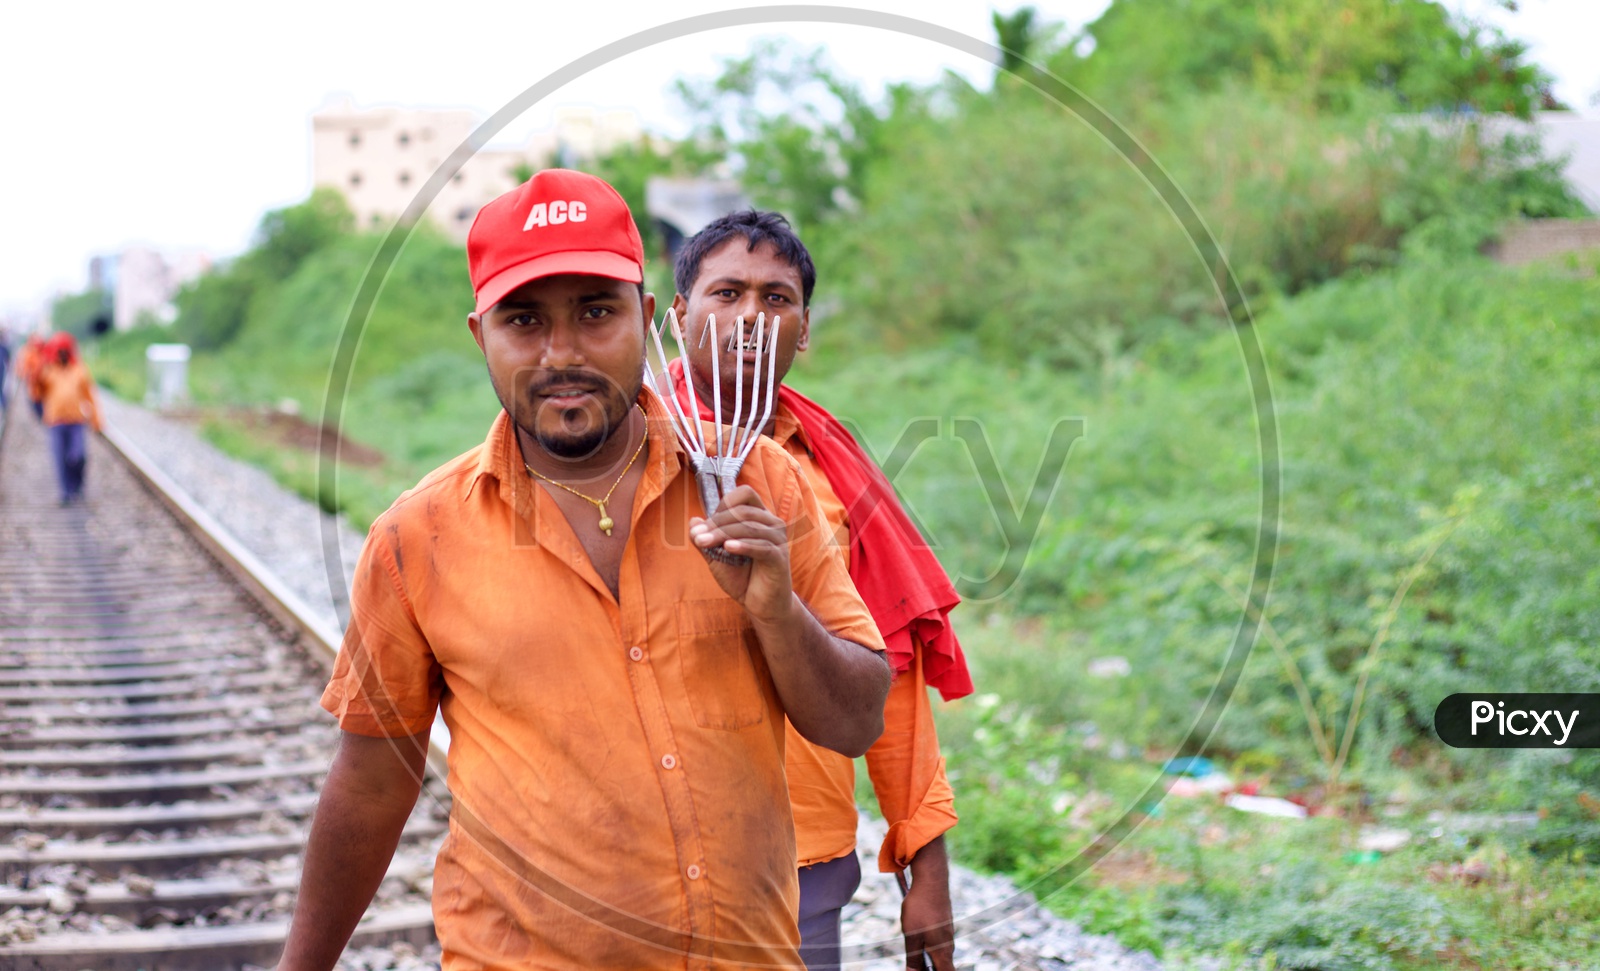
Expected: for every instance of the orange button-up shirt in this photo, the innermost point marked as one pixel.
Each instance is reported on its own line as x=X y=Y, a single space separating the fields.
x=616 y=763
x=67 y=392
x=905 y=766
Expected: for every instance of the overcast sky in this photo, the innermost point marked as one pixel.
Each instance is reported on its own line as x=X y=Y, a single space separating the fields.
x=179 y=124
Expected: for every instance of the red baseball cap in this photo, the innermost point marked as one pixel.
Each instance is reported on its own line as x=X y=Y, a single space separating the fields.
x=559 y=221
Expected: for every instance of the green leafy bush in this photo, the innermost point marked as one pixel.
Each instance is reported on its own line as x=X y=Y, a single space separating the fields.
x=216 y=307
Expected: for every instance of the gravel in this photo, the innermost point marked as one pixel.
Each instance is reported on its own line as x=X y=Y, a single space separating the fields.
x=286 y=532
x=1027 y=937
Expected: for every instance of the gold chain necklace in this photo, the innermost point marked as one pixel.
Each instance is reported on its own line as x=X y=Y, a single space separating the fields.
x=606 y=522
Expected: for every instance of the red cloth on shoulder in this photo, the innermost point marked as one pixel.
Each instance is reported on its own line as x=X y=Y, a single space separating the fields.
x=897 y=575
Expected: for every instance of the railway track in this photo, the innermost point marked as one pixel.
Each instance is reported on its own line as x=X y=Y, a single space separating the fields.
x=161 y=745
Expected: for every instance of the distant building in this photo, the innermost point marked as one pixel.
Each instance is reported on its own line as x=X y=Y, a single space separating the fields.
x=1531 y=240
x=380 y=158
x=1570 y=137
x=1575 y=138
x=142 y=282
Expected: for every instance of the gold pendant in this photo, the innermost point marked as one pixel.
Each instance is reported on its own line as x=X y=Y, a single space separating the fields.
x=605 y=521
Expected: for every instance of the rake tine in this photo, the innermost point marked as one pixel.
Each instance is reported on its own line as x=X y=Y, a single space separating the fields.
x=693 y=435
x=671 y=407
x=716 y=382
x=738 y=387
x=741 y=417
x=688 y=431
x=696 y=434
x=772 y=378
x=772 y=375
x=750 y=431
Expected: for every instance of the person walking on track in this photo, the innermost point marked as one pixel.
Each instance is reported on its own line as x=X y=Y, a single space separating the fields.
x=751 y=263
x=615 y=693
x=68 y=406
x=29 y=360
x=5 y=370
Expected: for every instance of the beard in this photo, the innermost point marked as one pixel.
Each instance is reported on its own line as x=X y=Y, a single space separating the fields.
x=575 y=444
x=575 y=433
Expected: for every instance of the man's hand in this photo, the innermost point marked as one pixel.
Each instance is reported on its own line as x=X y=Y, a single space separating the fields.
x=832 y=689
x=925 y=915
x=742 y=525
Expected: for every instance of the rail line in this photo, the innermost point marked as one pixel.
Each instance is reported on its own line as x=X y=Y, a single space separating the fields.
x=161 y=745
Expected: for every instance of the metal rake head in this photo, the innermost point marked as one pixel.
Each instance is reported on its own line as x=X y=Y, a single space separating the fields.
x=718 y=458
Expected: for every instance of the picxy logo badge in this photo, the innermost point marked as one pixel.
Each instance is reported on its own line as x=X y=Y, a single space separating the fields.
x=1519 y=720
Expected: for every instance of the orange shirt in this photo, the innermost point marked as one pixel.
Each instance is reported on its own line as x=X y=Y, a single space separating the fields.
x=68 y=395
x=27 y=368
x=616 y=764
x=905 y=766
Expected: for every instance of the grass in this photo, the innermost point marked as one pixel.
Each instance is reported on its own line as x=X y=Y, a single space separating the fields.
x=1196 y=879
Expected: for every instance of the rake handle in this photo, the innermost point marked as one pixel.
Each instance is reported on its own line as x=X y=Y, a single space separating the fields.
x=710 y=499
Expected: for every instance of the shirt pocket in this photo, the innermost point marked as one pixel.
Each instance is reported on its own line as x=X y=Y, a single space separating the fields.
x=719 y=675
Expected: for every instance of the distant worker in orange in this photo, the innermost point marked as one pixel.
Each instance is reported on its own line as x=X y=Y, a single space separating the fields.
x=748 y=263
x=66 y=393
x=29 y=360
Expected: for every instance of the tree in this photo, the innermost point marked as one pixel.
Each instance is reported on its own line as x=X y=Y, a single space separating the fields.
x=1021 y=36
x=287 y=236
x=212 y=308
x=808 y=157
x=1321 y=51
x=84 y=314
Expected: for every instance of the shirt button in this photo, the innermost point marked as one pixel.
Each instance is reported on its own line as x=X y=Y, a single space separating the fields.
x=669 y=761
x=636 y=652
x=694 y=871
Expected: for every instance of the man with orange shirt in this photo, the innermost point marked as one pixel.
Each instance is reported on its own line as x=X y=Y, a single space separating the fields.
x=67 y=403
x=616 y=699
x=752 y=262
x=29 y=360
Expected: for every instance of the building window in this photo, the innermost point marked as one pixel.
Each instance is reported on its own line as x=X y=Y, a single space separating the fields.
x=463 y=214
x=405 y=178
x=355 y=139
x=405 y=139
x=355 y=180
x=458 y=177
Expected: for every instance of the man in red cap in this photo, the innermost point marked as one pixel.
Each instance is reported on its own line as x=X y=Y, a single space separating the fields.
x=67 y=404
x=615 y=699
x=749 y=263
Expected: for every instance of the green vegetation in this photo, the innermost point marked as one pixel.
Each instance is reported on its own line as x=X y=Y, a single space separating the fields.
x=1430 y=408
x=214 y=309
x=983 y=253
x=1322 y=53
x=83 y=314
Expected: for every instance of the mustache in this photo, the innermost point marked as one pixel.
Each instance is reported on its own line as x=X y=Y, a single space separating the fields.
x=565 y=381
